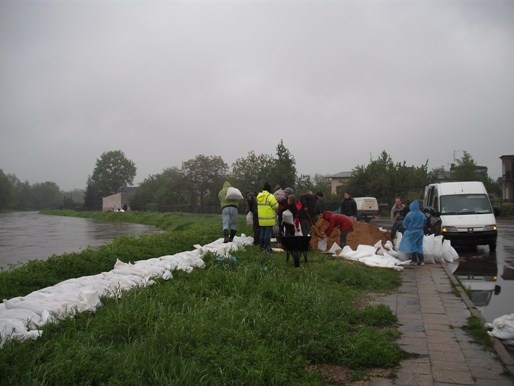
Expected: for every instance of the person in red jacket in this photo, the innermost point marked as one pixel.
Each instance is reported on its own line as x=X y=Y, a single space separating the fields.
x=344 y=223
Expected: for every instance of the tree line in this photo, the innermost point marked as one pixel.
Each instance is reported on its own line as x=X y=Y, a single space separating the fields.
x=194 y=187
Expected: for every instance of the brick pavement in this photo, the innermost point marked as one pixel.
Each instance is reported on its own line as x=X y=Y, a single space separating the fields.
x=431 y=316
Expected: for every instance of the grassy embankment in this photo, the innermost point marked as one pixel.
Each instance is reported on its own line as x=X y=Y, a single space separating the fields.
x=258 y=321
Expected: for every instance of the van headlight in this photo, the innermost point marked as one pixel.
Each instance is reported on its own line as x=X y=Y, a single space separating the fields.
x=490 y=228
x=449 y=229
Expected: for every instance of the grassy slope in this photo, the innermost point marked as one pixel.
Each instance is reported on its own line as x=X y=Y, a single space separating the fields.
x=258 y=321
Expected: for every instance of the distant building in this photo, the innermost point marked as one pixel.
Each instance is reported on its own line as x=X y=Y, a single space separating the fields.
x=442 y=175
x=117 y=201
x=508 y=177
x=338 y=179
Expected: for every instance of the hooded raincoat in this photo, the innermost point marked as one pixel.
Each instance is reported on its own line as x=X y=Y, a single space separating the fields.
x=414 y=223
x=222 y=196
x=267 y=206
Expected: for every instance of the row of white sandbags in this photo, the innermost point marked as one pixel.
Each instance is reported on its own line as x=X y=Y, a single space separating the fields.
x=435 y=250
x=22 y=317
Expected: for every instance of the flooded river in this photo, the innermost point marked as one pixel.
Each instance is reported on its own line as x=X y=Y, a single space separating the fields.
x=32 y=236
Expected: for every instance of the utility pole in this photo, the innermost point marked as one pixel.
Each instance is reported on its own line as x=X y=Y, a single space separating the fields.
x=455 y=154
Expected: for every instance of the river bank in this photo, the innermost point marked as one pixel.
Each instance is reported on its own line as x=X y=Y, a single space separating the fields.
x=256 y=321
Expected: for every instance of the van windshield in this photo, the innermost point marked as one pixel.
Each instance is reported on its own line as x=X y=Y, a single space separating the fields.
x=465 y=204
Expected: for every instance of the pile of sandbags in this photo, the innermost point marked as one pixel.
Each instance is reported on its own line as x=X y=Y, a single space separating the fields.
x=377 y=245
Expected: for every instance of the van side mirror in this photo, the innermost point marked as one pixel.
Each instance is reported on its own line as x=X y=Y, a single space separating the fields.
x=496 y=211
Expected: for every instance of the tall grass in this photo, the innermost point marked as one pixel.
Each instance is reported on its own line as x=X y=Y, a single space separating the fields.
x=257 y=321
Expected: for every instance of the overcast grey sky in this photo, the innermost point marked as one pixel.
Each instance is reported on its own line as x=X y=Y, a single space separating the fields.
x=338 y=81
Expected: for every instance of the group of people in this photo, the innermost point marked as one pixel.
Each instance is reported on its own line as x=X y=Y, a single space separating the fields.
x=281 y=210
x=279 y=206
x=269 y=208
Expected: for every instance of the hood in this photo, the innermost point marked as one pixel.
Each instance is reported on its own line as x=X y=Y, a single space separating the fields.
x=261 y=197
x=326 y=215
x=414 y=206
x=226 y=185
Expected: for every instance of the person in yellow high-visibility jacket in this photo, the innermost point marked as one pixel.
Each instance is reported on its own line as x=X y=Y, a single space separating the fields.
x=267 y=206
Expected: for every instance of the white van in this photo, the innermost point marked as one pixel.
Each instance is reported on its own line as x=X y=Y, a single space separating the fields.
x=367 y=208
x=466 y=212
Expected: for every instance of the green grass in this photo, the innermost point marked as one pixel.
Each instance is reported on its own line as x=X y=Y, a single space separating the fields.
x=258 y=321
x=475 y=328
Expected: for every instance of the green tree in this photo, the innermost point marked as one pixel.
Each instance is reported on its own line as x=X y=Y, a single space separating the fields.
x=250 y=173
x=6 y=192
x=205 y=176
x=46 y=195
x=465 y=169
x=283 y=171
x=385 y=180
x=112 y=171
x=303 y=184
x=92 y=196
x=164 y=192
x=23 y=194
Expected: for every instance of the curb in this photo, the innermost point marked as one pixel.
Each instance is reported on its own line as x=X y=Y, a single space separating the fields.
x=504 y=356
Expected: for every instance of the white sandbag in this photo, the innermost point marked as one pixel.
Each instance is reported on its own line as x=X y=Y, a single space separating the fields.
x=249 y=218
x=8 y=327
x=89 y=300
x=379 y=248
x=323 y=244
x=385 y=261
x=287 y=217
x=397 y=240
x=334 y=248
x=348 y=253
x=404 y=256
x=448 y=252
x=233 y=194
x=438 y=249
x=361 y=252
x=389 y=245
x=428 y=249
x=502 y=327
x=366 y=249
x=33 y=306
x=27 y=317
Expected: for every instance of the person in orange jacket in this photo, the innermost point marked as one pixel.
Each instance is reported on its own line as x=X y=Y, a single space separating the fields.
x=344 y=223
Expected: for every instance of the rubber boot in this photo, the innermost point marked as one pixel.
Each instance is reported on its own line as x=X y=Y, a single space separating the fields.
x=232 y=234
x=225 y=235
x=414 y=258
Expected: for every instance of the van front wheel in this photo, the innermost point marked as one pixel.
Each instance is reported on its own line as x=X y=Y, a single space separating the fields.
x=492 y=247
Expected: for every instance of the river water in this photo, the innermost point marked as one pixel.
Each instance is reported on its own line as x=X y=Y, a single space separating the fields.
x=28 y=236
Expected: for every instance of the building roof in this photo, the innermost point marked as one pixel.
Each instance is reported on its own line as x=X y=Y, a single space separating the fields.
x=340 y=175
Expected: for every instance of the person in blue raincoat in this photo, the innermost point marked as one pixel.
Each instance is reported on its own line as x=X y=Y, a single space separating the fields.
x=412 y=239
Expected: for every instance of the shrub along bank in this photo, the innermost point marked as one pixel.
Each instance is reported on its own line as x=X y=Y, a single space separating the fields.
x=256 y=321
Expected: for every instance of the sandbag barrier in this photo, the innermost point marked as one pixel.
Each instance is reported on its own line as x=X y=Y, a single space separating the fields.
x=23 y=317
